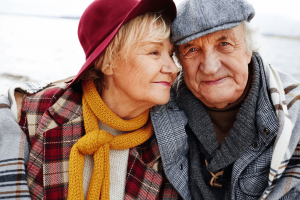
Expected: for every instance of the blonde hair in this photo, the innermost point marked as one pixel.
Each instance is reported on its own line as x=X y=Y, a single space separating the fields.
x=150 y=27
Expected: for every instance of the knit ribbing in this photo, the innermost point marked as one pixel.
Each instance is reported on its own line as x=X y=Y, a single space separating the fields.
x=118 y=160
x=98 y=143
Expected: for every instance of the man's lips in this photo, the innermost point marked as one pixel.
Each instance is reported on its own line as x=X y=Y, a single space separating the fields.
x=165 y=83
x=214 y=82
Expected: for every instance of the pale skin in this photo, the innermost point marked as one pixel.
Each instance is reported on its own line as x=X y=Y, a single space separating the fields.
x=141 y=81
x=215 y=66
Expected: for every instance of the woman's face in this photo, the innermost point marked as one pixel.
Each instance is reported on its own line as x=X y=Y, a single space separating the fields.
x=146 y=75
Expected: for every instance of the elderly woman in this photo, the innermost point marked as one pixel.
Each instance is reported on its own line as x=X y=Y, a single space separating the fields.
x=92 y=138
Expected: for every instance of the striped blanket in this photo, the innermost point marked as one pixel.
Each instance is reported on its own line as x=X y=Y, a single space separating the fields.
x=13 y=155
x=14 y=149
x=284 y=176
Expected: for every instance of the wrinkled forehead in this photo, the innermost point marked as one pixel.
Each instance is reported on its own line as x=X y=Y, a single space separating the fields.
x=235 y=34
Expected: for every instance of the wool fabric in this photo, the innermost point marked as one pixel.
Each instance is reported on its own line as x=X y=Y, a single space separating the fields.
x=197 y=18
x=202 y=139
x=223 y=118
x=98 y=142
x=118 y=161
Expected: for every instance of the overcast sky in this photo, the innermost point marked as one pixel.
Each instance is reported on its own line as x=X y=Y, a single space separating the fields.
x=289 y=8
x=274 y=17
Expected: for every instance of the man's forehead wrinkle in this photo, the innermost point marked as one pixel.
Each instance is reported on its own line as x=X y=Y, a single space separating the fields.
x=206 y=40
x=226 y=34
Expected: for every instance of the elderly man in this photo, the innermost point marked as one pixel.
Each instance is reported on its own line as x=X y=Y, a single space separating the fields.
x=243 y=115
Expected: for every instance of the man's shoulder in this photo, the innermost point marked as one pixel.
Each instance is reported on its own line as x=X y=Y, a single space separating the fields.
x=287 y=80
x=290 y=86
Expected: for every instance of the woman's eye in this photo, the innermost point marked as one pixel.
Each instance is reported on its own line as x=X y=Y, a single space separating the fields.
x=223 y=43
x=172 y=55
x=192 y=49
x=154 y=53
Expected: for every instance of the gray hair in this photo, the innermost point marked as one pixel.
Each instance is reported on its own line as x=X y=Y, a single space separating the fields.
x=251 y=37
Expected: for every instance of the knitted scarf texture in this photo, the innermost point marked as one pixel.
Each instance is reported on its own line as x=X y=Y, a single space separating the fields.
x=98 y=142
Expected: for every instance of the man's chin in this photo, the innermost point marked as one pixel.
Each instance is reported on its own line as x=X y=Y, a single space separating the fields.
x=214 y=100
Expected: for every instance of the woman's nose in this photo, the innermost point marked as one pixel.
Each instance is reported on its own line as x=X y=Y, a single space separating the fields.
x=169 y=67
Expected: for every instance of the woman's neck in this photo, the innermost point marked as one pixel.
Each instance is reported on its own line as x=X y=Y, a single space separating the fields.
x=123 y=106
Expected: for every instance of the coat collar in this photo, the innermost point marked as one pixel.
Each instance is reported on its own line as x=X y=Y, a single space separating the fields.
x=68 y=107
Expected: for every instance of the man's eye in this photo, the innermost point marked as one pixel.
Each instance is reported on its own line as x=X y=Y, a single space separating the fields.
x=192 y=49
x=154 y=53
x=223 y=43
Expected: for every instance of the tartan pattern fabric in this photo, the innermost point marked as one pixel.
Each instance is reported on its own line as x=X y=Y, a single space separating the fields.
x=142 y=181
x=53 y=122
x=27 y=88
x=38 y=119
x=57 y=144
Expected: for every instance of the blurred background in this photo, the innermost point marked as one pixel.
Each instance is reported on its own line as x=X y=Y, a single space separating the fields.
x=38 y=38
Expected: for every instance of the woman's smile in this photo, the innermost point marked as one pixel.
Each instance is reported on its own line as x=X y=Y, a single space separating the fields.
x=165 y=83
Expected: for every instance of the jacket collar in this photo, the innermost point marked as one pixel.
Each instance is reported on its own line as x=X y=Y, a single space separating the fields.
x=68 y=107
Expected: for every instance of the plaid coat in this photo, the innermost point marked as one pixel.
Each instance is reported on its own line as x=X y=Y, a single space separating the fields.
x=52 y=120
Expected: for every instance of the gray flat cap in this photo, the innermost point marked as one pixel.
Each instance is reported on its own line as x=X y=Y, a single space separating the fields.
x=196 y=18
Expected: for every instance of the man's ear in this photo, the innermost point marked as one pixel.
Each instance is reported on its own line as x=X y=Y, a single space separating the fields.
x=249 y=56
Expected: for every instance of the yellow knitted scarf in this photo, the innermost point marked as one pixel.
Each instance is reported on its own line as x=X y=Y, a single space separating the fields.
x=98 y=142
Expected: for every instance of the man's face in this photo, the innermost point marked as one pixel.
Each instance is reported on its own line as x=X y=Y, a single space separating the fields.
x=215 y=66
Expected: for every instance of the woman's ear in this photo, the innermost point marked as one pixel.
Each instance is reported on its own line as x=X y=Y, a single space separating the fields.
x=107 y=69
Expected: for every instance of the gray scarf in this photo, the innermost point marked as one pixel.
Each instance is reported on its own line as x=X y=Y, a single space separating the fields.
x=204 y=139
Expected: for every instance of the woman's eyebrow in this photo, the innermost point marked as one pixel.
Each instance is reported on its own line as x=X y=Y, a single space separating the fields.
x=157 y=43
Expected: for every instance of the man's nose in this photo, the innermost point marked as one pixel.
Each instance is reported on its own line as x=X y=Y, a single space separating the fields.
x=210 y=63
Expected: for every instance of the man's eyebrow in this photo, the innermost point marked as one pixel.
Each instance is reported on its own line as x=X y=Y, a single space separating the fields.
x=222 y=37
x=187 y=45
x=226 y=36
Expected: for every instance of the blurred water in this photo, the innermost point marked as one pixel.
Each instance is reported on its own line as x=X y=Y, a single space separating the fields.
x=47 y=48
x=42 y=49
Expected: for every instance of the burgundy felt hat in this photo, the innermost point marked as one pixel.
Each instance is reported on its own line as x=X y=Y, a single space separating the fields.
x=103 y=18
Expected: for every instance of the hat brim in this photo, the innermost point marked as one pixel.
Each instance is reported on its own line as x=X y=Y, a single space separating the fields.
x=140 y=8
x=202 y=33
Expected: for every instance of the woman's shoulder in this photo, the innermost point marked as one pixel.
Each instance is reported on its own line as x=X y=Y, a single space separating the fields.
x=37 y=97
x=41 y=100
x=31 y=96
